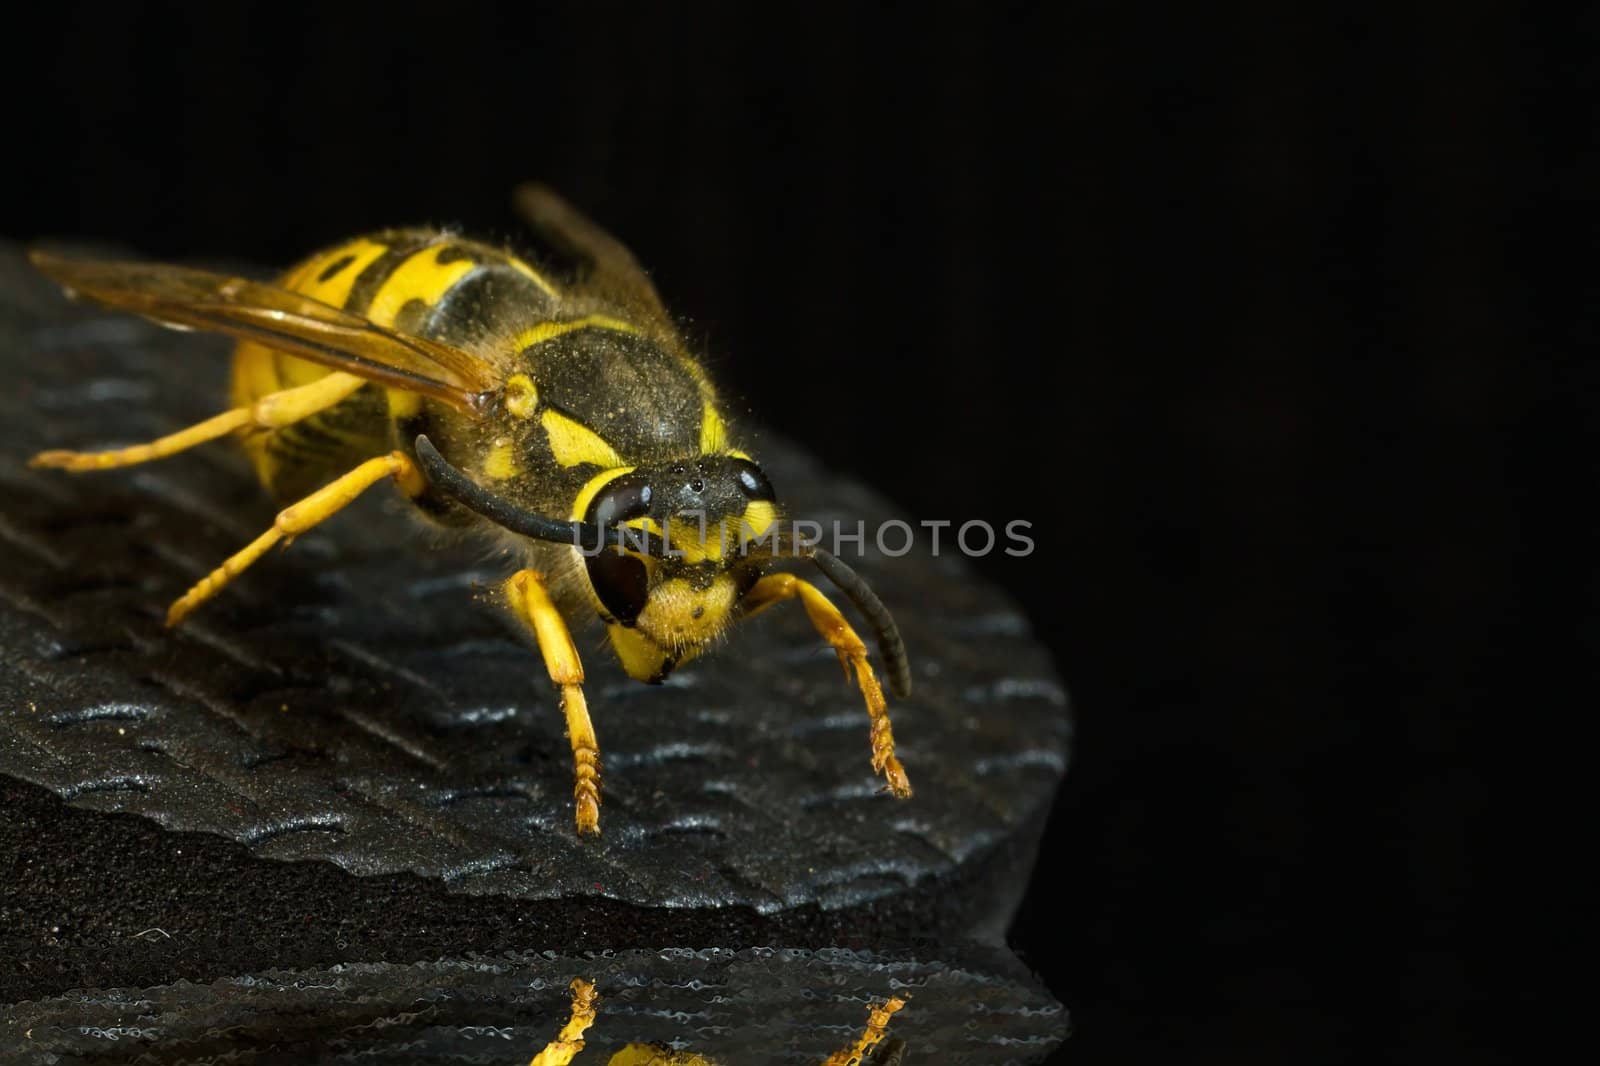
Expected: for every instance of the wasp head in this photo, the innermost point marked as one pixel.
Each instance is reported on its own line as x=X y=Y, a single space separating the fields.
x=669 y=551
x=675 y=587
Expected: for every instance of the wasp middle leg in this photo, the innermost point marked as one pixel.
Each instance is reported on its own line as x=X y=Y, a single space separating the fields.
x=272 y=411
x=300 y=517
x=531 y=602
x=833 y=628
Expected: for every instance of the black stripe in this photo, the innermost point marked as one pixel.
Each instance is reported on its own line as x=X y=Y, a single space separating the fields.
x=334 y=268
x=456 y=251
x=403 y=244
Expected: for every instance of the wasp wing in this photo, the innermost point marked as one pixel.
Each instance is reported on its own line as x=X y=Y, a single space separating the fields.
x=608 y=267
x=283 y=321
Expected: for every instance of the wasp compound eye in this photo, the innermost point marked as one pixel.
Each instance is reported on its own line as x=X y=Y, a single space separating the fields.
x=621 y=582
x=621 y=501
x=752 y=482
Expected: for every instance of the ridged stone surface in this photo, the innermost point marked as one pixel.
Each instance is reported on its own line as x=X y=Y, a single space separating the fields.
x=359 y=700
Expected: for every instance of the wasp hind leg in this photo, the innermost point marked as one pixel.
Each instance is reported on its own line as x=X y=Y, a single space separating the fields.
x=833 y=628
x=560 y=1051
x=878 y=1015
x=300 y=517
x=272 y=411
x=531 y=602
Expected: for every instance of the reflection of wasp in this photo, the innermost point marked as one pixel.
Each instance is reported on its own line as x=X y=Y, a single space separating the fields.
x=561 y=1050
x=569 y=419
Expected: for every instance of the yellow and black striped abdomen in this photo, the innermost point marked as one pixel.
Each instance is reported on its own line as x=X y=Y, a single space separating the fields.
x=424 y=282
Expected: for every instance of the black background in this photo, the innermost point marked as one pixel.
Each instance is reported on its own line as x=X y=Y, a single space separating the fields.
x=1236 y=304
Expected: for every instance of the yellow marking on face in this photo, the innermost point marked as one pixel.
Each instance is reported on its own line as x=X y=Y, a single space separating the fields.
x=693 y=549
x=641 y=657
x=728 y=534
x=421 y=277
x=713 y=432
x=679 y=616
x=532 y=275
x=501 y=461
x=545 y=331
x=522 y=396
x=573 y=443
x=757 y=518
x=335 y=288
x=686 y=540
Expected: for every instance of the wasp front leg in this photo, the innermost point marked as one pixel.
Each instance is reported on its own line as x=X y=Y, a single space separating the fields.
x=531 y=602
x=833 y=628
x=878 y=1015
x=560 y=1051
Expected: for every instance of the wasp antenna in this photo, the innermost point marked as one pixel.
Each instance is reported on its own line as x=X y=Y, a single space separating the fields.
x=445 y=477
x=890 y=645
x=784 y=541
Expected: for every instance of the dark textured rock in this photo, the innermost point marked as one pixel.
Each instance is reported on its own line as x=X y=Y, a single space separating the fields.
x=738 y=1008
x=349 y=757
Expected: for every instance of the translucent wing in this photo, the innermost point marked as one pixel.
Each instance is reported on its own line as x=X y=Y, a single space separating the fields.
x=283 y=321
x=608 y=267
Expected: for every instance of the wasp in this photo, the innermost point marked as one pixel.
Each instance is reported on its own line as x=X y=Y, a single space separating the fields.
x=565 y=416
x=865 y=1049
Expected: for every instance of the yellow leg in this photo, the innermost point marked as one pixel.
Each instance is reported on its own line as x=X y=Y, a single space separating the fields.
x=531 y=601
x=569 y=1042
x=878 y=1015
x=270 y=412
x=833 y=628
x=299 y=517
